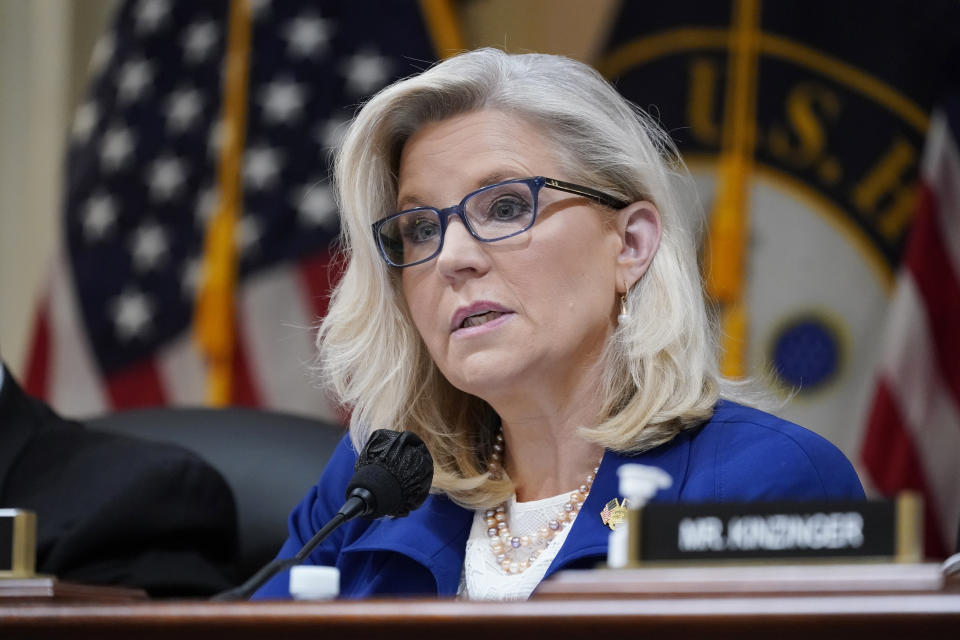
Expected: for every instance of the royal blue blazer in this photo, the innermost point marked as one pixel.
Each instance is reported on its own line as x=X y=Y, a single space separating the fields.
x=739 y=455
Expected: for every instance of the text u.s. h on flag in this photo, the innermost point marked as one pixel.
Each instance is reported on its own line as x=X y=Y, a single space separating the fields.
x=113 y=330
x=913 y=433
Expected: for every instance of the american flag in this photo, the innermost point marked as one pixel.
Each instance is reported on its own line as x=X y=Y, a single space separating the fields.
x=913 y=433
x=113 y=330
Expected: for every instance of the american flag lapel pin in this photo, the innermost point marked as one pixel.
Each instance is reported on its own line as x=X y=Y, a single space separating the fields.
x=613 y=513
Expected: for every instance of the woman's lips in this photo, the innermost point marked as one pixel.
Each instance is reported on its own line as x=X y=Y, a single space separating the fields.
x=496 y=320
x=478 y=314
x=481 y=318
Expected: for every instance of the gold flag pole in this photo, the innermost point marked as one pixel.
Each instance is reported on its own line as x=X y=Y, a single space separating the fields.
x=444 y=27
x=213 y=321
x=729 y=223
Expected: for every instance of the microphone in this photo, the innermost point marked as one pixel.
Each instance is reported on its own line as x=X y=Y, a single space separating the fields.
x=391 y=477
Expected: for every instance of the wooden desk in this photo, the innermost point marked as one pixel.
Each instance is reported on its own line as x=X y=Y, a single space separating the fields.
x=800 y=617
x=617 y=605
x=47 y=589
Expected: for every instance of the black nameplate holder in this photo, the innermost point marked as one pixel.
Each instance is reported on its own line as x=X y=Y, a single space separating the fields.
x=777 y=531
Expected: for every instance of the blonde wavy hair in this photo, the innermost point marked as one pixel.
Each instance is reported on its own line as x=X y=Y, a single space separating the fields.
x=660 y=371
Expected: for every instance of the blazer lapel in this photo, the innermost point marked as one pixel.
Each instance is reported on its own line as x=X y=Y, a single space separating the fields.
x=589 y=535
x=435 y=536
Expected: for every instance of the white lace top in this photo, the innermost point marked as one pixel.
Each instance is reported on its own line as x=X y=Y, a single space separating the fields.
x=482 y=577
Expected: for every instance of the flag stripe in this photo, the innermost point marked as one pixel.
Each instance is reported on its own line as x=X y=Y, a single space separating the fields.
x=940 y=170
x=318 y=277
x=75 y=379
x=182 y=372
x=939 y=288
x=278 y=322
x=139 y=385
x=894 y=465
x=931 y=415
x=37 y=376
x=244 y=388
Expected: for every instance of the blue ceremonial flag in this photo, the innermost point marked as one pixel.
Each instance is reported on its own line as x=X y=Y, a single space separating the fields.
x=145 y=180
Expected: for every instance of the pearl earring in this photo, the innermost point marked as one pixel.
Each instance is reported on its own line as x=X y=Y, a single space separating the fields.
x=624 y=316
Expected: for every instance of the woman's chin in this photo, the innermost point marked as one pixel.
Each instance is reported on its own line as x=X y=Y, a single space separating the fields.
x=488 y=377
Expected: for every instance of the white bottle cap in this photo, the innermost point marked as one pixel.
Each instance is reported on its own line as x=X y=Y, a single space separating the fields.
x=308 y=582
x=639 y=482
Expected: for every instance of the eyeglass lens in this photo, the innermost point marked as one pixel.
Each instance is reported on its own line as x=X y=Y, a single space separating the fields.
x=492 y=213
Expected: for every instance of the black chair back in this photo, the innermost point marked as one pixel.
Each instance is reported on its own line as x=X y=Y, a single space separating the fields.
x=269 y=459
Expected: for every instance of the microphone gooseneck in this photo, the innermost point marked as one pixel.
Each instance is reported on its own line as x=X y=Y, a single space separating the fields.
x=392 y=478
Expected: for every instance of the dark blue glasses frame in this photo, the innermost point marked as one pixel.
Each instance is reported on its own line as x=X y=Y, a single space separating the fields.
x=535 y=184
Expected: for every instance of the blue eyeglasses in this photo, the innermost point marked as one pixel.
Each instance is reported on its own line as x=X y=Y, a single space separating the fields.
x=493 y=213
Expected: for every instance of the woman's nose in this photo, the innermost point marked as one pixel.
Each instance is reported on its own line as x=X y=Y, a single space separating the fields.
x=462 y=254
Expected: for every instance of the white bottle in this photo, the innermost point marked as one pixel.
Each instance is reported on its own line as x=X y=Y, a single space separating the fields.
x=309 y=582
x=638 y=483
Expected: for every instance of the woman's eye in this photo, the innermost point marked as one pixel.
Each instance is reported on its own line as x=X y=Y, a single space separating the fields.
x=421 y=230
x=507 y=208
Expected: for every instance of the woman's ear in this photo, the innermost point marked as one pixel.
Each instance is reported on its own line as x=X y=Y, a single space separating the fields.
x=638 y=225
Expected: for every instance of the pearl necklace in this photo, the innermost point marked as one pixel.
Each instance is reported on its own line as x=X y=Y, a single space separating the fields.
x=515 y=553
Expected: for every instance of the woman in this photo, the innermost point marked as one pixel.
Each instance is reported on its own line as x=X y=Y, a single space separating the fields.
x=544 y=331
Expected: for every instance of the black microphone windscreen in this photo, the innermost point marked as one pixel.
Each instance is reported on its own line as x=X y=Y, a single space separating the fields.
x=396 y=468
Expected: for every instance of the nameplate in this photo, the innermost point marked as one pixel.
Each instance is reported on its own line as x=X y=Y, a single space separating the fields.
x=761 y=531
x=18 y=535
